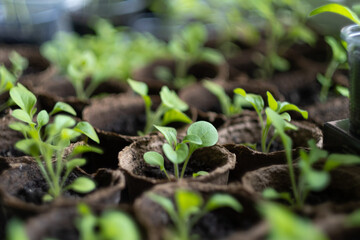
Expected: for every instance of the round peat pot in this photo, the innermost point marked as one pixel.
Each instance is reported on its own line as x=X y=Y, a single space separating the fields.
x=22 y=188
x=351 y=34
x=343 y=188
x=140 y=176
x=59 y=89
x=245 y=128
x=61 y=222
x=202 y=70
x=218 y=224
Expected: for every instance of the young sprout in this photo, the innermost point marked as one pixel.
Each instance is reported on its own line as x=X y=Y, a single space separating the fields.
x=279 y=107
x=171 y=109
x=111 y=224
x=199 y=134
x=286 y=225
x=310 y=178
x=19 y=63
x=189 y=208
x=339 y=57
x=187 y=48
x=228 y=108
x=47 y=141
x=338 y=9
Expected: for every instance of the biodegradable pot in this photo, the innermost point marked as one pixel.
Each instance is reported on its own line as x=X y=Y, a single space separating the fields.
x=8 y=137
x=218 y=224
x=60 y=222
x=59 y=89
x=245 y=128
x=122 y=114
x=22 y=187
x=198 y=96
x=200 y=71
x=343 y=187
x=32 y=21
x=140 y=176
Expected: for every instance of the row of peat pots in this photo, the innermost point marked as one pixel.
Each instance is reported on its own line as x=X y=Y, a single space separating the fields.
x=226 y=202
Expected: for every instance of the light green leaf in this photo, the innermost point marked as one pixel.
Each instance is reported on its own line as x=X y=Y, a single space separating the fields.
x=22 y=116
x=86 y=129
x=255 y=100
x=337 y=160
x=271 y=101
x=18 y=126
x=285 y=106
x=85 y=148
x=200 y=173
x=220 y=200
x=174 y=115
x=15 y=230
x=192 y=139
x=165 y=203
x=42 y=118
x=171 y=100
x=338 y=9
x=73 y=163
x=187 y=202
x=138 y=87
x=169 y=134
x=317 y=180
x=205 y=131
x=28 y=146
x=82 y=185
x=270 y=193
x=25 y=99
x=154 y=159
x=169 y=152
x=212 y=56
x=62 y=107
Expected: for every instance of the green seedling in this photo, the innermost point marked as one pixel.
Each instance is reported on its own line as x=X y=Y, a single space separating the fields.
x=15 y=230
x=228 y=108
x=110 y=225
x=19 y=63
x=189 y=208
x=339 y=58
x=47 y=142
x=338 y=9
x=279 y=107
x=171 y=109
x=310 y=178
x=285 y=225
x=343 y=91
x=187 y=48
x=199 y=134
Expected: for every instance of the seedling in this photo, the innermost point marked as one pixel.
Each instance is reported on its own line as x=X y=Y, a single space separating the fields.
x=279 y=107
x=339 y=58
x=189 y=208
x=187 y=48
x=15 y=230
x=199 y=134
x=170 y=110
x=47 y=142
x=111 y=224
x=338 y=9
x=286 y=225
x=228 y=108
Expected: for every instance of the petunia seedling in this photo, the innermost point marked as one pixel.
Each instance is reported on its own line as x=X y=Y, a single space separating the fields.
x=171 y=109
x=199 y=134
x=189 y=208
x=277 y=106
x=46 y=141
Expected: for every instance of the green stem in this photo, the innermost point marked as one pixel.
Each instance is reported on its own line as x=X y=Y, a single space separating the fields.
x=166 y=174
x=270 y=142
x=44 y=173
x=79 y=89
x=93 y=85
x=191 y=150
x=154 y=119
x=264 y=134
x=176 y=170
x=328 y=75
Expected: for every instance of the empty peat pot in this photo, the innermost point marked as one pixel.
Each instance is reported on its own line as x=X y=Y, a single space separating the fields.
x=219 y=224
x=140 y=176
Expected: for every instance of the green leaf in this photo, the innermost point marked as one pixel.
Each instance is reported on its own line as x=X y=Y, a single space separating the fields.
x=285 y=106
x=84 y=149
x=338 y=9
x=255 y=100
x=47 y=198
x=171 y=100
x=154 y=159
x=28 y=146
x=73 y=163
x=338 y=51
x=15 y=230
x=42 y=118
x=270 y=193
x=188 y=203
x=192 y=139
x=7 y=79
x=25 y=99
x=138 y=87
x=169 y=134
x=220 y=200
x=317 y=180
x=62 y=107
x=178 y=155
x=86 y=129
x=20 y=127
x=212 y=56
x=174 y=115
x=337 y=160
x=169 y=152
x=205 y=131
x=82 y=185
x=22 y=116
x=271 y=101
x=69 y=134
x=200 y=173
